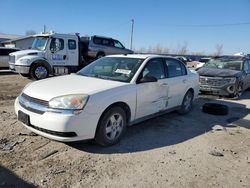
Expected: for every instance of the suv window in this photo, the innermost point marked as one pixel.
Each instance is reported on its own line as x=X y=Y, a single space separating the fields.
x=117 y=44
x=97 y=40
x=71 y=44
x=175 y=68
x=154 y=68
x=56 y=44
x=246 y=66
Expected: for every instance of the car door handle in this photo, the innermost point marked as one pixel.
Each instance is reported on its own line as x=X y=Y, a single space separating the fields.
x=184 y=81
x=64 y=57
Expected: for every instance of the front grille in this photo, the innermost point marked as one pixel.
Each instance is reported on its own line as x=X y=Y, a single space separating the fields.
x=214 y=81
x=35 y=100
x=12 y=59
x=33 y=104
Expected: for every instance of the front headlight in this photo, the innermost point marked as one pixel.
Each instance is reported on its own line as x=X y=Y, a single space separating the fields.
x=69 y=102
x=24 y=61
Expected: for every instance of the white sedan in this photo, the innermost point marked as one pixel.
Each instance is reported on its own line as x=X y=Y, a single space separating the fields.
x=106 y=96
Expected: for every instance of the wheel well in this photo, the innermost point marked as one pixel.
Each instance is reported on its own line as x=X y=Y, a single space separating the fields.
x=191 y=89
x=45 y=63
x=100 y=53
x=123 y=105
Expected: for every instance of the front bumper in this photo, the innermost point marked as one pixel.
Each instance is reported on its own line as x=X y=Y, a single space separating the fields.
x=225 y=90
x=19 y=68
x=60 y=127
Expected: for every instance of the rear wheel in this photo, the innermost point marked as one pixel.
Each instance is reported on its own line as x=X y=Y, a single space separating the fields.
x=39 y=71
x=111 y=127
x=187 y=102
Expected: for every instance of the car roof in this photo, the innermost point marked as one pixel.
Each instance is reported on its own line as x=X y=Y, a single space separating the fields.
x=140 y=56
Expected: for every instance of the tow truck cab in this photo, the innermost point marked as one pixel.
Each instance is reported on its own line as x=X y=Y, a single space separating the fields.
x=51 y=53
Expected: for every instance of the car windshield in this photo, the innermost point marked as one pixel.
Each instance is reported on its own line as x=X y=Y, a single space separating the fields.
x=112 y=68
x=225 y=63
x=40 y=43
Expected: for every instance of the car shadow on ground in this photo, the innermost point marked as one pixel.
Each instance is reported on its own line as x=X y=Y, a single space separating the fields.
x=171 y=129
x=9 y=179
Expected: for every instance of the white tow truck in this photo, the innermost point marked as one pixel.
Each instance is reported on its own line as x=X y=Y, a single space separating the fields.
x=57 y=54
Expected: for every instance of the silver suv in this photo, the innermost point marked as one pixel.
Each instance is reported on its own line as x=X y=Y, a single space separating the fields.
x=98 y=46
x=4 y=56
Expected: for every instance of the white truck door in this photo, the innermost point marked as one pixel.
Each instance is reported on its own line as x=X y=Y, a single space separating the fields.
x=152 y=96
x=57 y=53
x=177 y=81
x=73 y=52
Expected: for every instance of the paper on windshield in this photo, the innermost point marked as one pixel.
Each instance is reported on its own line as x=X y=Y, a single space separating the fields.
x=123 y=71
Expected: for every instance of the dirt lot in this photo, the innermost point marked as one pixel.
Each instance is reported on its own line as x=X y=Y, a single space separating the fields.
x=168 y=151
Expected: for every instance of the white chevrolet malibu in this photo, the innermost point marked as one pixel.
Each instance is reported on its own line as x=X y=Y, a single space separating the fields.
x=106 y=96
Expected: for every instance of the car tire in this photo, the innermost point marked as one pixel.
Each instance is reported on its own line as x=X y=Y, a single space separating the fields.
x=111 y=127
x=39 y=71
x=215 y=109
x=187 y=102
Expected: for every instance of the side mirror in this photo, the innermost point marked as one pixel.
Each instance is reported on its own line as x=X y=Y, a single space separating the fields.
x=148 y=79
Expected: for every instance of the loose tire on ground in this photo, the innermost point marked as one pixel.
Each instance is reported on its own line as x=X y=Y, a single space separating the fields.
x=215 y=109
x=111 y=121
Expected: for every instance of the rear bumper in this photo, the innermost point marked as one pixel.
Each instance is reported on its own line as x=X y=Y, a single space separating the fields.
x=19 y=68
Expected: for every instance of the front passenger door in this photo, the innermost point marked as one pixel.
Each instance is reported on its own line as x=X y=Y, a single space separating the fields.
x=152 y=96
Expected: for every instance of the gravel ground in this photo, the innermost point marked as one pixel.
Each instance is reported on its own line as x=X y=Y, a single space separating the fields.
x=194 y=150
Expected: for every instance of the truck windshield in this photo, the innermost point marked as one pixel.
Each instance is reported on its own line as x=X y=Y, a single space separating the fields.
x=224 y=63
x=112 y=68
x=40 y=43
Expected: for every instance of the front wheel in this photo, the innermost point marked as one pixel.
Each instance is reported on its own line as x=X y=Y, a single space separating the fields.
x=111 y=127
x=187 y=103
x=39 y=71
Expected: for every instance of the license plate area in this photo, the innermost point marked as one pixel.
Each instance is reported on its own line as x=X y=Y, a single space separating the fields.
x=24 y=118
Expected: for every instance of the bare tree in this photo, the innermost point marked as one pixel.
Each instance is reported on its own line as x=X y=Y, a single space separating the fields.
x=182 y=50
x=219 y=49
x=30 y=32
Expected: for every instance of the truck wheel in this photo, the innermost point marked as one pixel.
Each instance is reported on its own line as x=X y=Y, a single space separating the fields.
x=111 y=127
x=39 y=71
x=100 y=55
x=187 y=102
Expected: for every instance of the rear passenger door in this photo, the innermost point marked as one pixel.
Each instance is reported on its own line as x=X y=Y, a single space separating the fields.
x=72 y=52
x=177 y=81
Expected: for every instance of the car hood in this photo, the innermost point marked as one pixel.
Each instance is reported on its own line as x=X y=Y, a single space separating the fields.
x=70 y=84
x=25 y=52
x=214 y=72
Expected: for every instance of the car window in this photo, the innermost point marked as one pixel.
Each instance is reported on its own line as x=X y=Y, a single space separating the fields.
x=56 y=44
x=117 y=44
x=175 y=68
x=246 y=66
x=97 y=40
x=106 y=42
x=71 y=44
x=154 y=68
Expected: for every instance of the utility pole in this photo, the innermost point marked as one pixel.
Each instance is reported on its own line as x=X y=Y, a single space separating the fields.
x=44 y=28
x=132 y=32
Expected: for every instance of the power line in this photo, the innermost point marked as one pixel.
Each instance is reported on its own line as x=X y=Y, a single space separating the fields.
x=210 y=25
